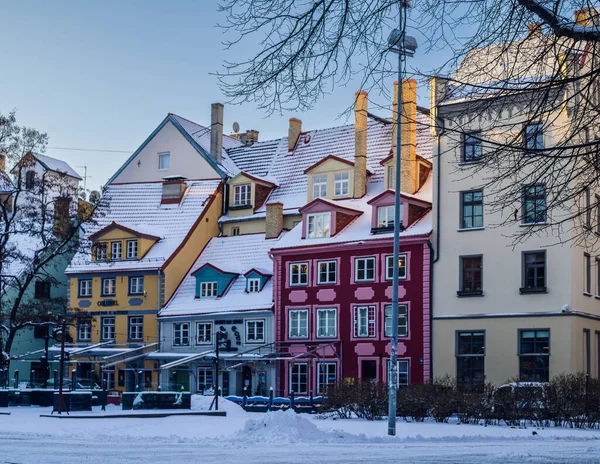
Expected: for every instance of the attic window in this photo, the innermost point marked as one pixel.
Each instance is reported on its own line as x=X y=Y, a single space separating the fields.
x=164 y=161
x=253 y=285
x=173 y=189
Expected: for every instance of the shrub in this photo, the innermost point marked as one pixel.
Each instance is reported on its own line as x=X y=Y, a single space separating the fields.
x=371 y=400
x=411 y=402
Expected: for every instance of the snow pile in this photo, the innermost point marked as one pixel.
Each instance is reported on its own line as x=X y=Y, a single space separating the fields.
x=288 y=427
x=202 y=403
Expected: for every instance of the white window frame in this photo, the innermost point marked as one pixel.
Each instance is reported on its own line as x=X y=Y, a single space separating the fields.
x=242 y=195
x=359 y=318
x=206 y=371
x=298 y=376
x=136 y=328
x=388 y=212
x=204 y=337
x=209 y=289
x=116 y=251
x=389 y=275
x=253 y=285
x=319 y=184
x=256 y=323
x=132 y=249
x=400 y=363
x=113 y=286
x=101 y=248
x=330 y=329
x=84 y=331
x=387 y=320
x=326 y=373
x=296 y=328
x=136 y=285
x=328 y=263
x=235 y=231
x=318 y=225
x=164 y=156
x=298 y=274
x=341 y=182
x=391 y=177
x=364 y=260
x=181 y=334
x=107 y=325
x=85 y=284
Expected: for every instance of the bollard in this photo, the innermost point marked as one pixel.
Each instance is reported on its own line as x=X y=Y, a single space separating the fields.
x=270 y=399
x=244 y=399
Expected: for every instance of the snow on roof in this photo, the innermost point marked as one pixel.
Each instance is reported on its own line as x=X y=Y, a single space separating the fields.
x=56 y=165
x=257 y=158
x=237 y=254
x=138 y=207
x=6 y=185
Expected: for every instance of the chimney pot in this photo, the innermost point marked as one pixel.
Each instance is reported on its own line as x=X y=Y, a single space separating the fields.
x=360 y=144
x=274 y=221
x=216 y=132
x=293 y=133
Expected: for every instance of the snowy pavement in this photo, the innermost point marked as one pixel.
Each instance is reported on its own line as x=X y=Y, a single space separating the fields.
x=279 y=438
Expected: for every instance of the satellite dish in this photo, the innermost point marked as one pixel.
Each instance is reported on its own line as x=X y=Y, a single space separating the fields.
x=236 y=127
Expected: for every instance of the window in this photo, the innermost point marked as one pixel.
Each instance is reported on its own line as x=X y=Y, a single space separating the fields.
x=326 y=322
x=470 y=360
x=109 y=287
x=588 y=208
x=472 y=147
x=205 y=378
x=402 y=320
x=253 y=285
x=471 y=275
x=42 y=290
x=534 y=355
x=299 y=274
x=235 y=231
x=319 y=225
x=298 y=323
x=403 y=371
x=132 y=249
x=204 y=333
x=108 y=328
x=136 y=285
x=533 y=137
x=319 y=186
x=389 y=266
x=534 y=204
x=587 y=262
x=242 y=195
x=598 y=214
x=208 y=289
x=101 y=251
x=326 y=375
x=29 y=180
x=385 y=216
x=364 y=321
x=598 y=281
x=471 y=209
x=85 y=288
x=164 y=161
x=181 y=334
x=84 y=331
x=136 y=328
x=299 y=378
x=341 y=184
x=255 y=331
x=534 y=271
x=327 y=272
x=391 y=177
x=364 y=269
x=116 y=250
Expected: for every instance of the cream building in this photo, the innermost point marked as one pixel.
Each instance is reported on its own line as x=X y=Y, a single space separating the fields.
x=507 y=308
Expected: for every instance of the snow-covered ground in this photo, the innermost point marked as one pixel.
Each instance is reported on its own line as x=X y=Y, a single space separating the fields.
x=277 y=437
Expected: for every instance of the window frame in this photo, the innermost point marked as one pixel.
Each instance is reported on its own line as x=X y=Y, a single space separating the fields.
x=42 y=290
x=179 y=338
x=320 y=185
x=251 y=281
x=364 y=259
x=371 y=323
x=325 y=225
x=298 y=328
x=102 y=288
x=299 y=377
x=390 y=276
x=206 y=286
x=134 y=327
x=341 y=182
x=472 y=140
x=473 y=204
x=80 y=294
x=467 y=358
x=406 y=372
x=318 y=322
x=523 y=355
x=299 y=274
x=527 y=137
x=524 y=268
x=242 y=195
x=255 y=321
x=206 y=340
x=587 y=274
x=161 y=156
x=388 y=223
x=133 y=279
x=129 y=248
x=387 y=321
x=119 y=247
x=320 y=384
x=462 y=281
x=100 y=251
x=328 y=272
x=30 y=180
x=235 y=231
x=104 y=325
x=534 y=198
x=84 y=325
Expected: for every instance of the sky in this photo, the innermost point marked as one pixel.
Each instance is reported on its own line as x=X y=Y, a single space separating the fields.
x=103 y=75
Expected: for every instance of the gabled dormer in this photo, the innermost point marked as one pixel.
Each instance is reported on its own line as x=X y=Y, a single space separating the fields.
x=421 y=170
x=212 y=282
x=247 y=193
x=116 y=242
x=382 y=214
x=331 y=178
x=323 y=218
x=256 y=280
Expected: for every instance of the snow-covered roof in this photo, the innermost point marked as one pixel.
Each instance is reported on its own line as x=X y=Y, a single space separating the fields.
x=138 y=207
x=6 y=185
x=237 y=254
x=56 y=165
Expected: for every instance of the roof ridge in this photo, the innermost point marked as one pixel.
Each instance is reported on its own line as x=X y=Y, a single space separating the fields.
x=200 y=125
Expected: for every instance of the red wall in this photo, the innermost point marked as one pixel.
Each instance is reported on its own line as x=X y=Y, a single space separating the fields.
x=344 y=295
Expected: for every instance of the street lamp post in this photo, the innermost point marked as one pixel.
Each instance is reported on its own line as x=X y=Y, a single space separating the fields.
x=404 y=46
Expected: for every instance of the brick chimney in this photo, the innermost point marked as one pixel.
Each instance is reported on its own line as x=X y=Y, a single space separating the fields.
x=409 y=181
x=2 y=163
x=294 y=133
x=216 y=131
x=360 y=144
x=586 y=17
x=62 y=221
x=274 y=220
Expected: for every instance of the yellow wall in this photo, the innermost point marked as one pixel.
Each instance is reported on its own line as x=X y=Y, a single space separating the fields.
x=330 y=168
x=115 y=235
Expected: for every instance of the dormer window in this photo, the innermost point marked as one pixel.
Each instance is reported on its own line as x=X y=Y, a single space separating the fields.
x=116 y=251
x=242 y=195
x=208 y=289
x=320 y=186
x=132 y=249
x=164 y=161
x=391 y=177
x=319 y=225
x=101 y=251
x=341 y=184
x=385 y=216
x=253 y=285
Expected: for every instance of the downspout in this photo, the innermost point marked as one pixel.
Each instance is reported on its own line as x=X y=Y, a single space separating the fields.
x=224 y=207
x=159 y=307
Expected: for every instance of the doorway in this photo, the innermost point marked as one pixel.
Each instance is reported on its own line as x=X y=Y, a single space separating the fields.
x=369 y=370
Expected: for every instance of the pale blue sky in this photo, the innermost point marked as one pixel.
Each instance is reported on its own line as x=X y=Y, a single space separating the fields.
x=103 y=75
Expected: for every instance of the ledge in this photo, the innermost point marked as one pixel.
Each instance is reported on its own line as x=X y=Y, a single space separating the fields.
x=530 y=224
x=463 y=294
x=468 y=163
x=239 y=207
x=526 y=291
x=469 y=229
x=587 y=294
